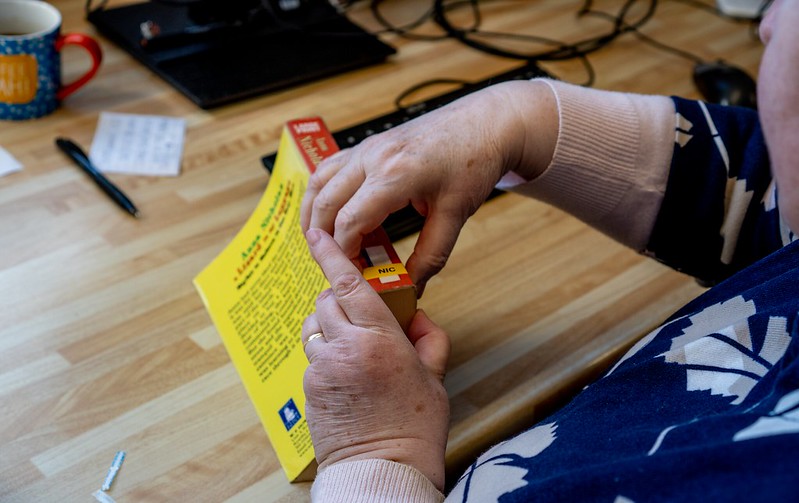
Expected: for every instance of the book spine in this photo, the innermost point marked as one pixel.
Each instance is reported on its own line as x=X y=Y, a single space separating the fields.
x=378 y=260
x=313 y=139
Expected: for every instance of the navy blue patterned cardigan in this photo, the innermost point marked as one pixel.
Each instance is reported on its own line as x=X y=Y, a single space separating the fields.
x=706 y=407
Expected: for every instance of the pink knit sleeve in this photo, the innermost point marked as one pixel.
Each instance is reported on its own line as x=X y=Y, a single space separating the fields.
x=611 y=161
x=373 y=481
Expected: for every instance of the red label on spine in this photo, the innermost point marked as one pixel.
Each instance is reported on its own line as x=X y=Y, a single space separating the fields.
x=313 y=139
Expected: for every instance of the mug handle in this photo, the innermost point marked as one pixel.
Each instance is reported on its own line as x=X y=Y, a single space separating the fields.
x=94 y=51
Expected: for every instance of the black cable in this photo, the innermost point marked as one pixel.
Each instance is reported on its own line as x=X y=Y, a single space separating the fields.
x=404 y=30
x=667 y=48
x=561 y=52
x=649 y=40
x=589 y=70
x=418 y=87
x=89 y=9
x=673 y=50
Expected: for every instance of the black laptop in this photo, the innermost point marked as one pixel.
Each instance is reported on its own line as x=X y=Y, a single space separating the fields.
x=219 y=60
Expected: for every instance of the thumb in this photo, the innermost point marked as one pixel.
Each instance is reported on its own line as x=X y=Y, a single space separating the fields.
x=431 y=342
x=433 y=247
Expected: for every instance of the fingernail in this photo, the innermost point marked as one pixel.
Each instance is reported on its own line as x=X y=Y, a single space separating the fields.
x=313 y=236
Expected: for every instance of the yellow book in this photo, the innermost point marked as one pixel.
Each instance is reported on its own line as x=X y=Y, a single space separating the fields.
x=264 y=284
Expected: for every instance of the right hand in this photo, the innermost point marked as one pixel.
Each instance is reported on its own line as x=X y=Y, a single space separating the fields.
x=372 y=392
x=444 y=163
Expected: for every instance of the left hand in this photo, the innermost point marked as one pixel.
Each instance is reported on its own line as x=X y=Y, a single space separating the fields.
x=371 y=391
x=444 y=163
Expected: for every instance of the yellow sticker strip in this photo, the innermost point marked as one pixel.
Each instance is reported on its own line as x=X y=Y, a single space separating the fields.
x=381 y=271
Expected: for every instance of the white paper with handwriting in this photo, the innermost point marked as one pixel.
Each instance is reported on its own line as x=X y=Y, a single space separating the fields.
x=135 y=144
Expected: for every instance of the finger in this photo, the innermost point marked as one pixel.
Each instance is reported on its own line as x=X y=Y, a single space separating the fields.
x=358 y=300
x=431 y=342
x=432 y=249
x=335 y=194
x=331 y=165
x=364 y=212
x=333 y=321
x=324 y=172
x=312 y=337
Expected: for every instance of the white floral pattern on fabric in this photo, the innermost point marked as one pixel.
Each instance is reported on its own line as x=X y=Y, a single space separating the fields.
x=718 y=352
x=489 y=477
x=783 y=420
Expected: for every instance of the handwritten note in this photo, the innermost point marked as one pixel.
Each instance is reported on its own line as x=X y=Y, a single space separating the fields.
x=8 y=164
x=149 y=145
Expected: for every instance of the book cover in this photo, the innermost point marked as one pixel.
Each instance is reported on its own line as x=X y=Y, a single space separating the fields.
x=262 y=286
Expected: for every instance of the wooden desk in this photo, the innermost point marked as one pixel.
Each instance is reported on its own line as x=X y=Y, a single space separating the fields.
x=105 y=345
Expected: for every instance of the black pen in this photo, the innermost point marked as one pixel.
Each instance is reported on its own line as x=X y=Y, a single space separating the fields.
x=82 y=160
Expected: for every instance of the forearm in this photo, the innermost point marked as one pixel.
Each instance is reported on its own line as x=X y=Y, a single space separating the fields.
x=610 y=162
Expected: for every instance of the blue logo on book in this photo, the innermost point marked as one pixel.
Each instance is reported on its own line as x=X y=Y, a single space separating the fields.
x=290 y=414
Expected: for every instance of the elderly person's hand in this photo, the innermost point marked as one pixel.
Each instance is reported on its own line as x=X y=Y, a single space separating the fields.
x=371 y=391
x=444 y=163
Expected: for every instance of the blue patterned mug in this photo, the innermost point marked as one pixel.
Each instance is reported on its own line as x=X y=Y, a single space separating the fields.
x=30 y=60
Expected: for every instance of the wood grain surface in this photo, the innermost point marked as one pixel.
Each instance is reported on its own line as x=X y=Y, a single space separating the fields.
x=105 y=344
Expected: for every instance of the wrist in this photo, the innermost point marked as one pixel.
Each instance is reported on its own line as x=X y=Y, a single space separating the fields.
x=531 y=127
x=373 y=480
x=425 y=458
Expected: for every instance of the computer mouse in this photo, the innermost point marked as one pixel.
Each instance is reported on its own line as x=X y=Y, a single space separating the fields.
x=725 y=84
